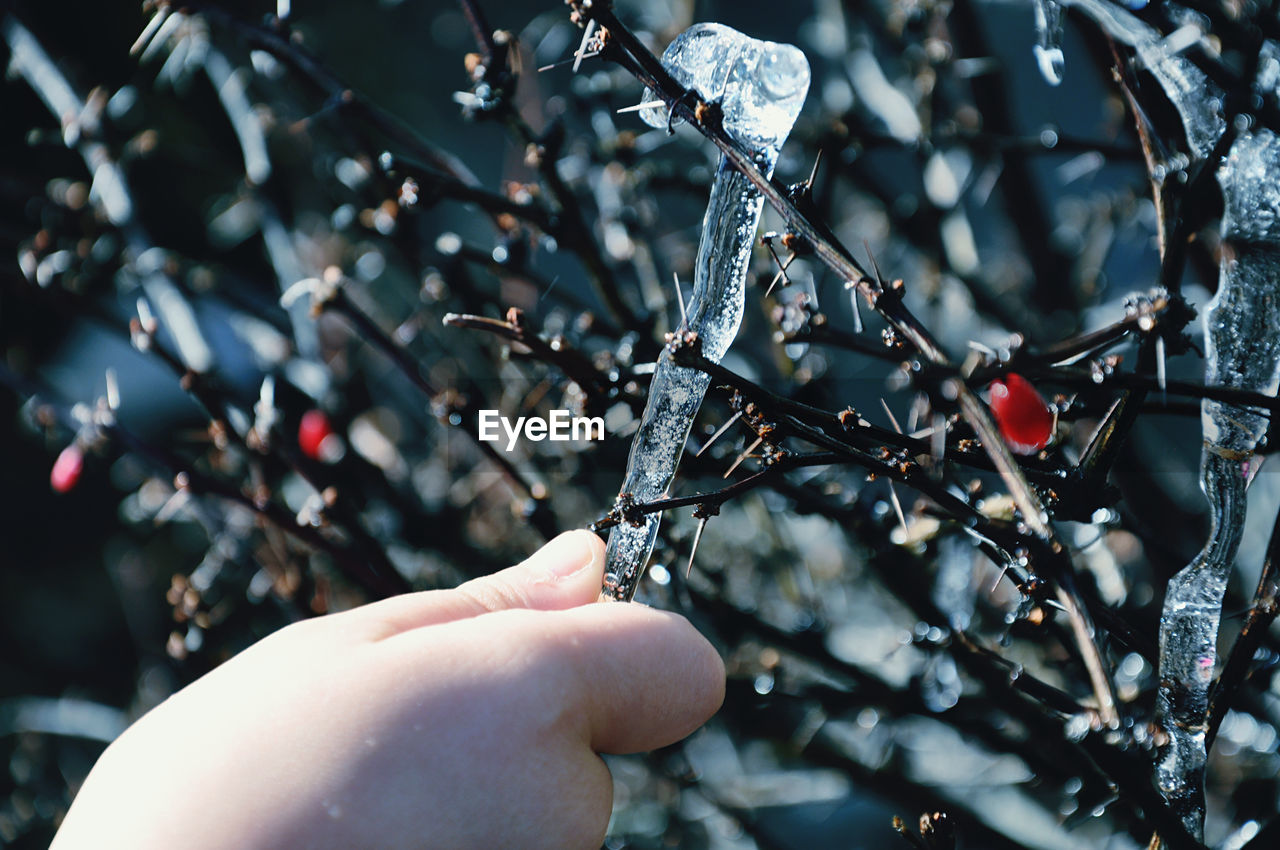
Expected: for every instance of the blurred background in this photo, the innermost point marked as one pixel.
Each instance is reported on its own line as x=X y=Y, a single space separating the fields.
x=178 y=489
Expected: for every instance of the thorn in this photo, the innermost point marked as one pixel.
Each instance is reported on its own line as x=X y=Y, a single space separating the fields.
x=267 y=394
x=812 y=287
x=974 y=345
x=719 y=431
x=1252 y=467
x=813 y=174
x=1160 y=370
x=550 y=286
x=782 y=267
x=745 y=454
x=875 y=267
x=999 y=577
x=573 y=59
x=938 y=441
x=782 y=273
x=857 y=311
x=640 y=107
x=167 y=27
x=893 y=419
x=149 y=30
x=980 y=537
x=919 y=407
x=172 y=505
x=146 y=317
x=684 y=317
x=582 y=46
x=113 y=391
x=697 y=538
x=897 y=507
x=927 y=432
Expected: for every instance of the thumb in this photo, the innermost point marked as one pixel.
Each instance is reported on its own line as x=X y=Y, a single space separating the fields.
x=565 y=573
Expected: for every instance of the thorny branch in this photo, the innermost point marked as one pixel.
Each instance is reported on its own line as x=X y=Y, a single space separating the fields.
x=623 y=47
x=809 y=455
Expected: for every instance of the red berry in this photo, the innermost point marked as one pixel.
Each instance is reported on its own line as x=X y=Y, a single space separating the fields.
x=1025 y=420
x=66 y=469
x=313 y=431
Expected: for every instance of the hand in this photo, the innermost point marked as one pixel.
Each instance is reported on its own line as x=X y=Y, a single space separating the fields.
x=454 y=718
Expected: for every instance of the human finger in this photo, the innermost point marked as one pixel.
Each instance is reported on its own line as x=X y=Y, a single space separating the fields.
x=564 y=573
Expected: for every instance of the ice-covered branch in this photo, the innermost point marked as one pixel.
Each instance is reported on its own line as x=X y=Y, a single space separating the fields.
x=623 y=47
x=1242 y=350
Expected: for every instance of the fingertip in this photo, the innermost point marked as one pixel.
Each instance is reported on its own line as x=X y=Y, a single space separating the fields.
x=566 y=555
x=702 y=675
x=649 y=677
x=564 y=573
x=593 y=544
x=711 y=677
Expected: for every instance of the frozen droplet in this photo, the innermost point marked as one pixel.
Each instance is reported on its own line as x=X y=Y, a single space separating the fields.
x=783 y=71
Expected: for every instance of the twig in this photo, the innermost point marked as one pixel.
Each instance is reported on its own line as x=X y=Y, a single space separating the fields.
x=112 y=193
x=558 y=352
x=541 y=518
x=336 y=92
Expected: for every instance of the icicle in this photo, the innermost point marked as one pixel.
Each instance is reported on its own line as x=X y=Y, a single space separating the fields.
x=1048 y=46
x=760 y=86
x=1242 y=350
x=1197 y=100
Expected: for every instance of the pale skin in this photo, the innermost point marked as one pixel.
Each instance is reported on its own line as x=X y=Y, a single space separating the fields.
x=471 y=717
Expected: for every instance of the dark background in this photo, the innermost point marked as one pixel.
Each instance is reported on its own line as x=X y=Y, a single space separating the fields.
x=83 y=613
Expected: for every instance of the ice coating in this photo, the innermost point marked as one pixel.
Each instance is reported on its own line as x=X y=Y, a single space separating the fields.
x=1197 y=100
x=1048 y=46
x=1242 y=350
x=760 y=87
